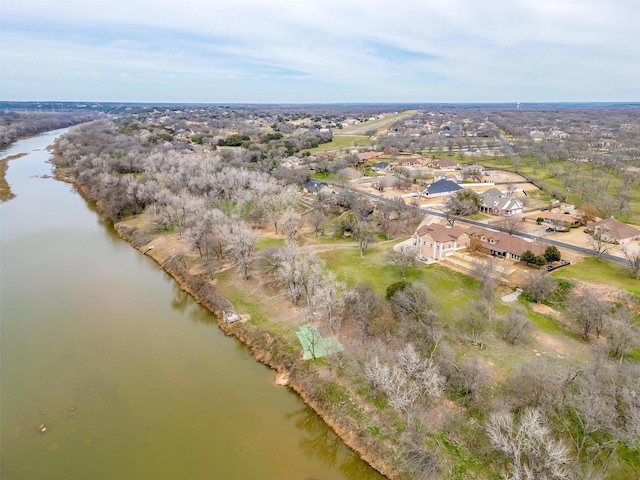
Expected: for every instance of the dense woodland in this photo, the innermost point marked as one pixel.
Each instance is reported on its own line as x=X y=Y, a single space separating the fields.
x=15 y=124
x=437 y=376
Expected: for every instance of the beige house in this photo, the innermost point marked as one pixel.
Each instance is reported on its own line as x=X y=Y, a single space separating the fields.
x=612 y=230
x=503 y=245
x=438 y=241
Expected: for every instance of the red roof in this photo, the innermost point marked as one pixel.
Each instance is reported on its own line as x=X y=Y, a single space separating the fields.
x=441 y=233
x=505 y=242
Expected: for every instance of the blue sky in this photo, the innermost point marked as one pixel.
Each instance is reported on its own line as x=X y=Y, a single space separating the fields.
x=320 y=51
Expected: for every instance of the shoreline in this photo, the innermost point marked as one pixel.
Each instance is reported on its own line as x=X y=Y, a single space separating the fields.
x=262 y=344
x=5 y=189
x=255 y=339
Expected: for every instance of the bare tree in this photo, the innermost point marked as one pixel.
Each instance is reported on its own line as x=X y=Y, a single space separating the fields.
x=463 y=203
x=590 y=312
x=421 y=461
x=588 y=213
x=537 y=383
x=416 y=303
x=533 y=451
x=291 y=224
x=598 y=246
x=473 y=377
x=365 y=234
x=488 y=273
x=403 y=256
x=622 y=332
x=405 y=377
x=297 y=271
x=317 y=218
x=241 y=245
x=331 y=294
x=515 y=325
x=633 y=259
x=509 y=224
x=510 y=189
x=540 y=287
x=476 y=320
x=363 y=303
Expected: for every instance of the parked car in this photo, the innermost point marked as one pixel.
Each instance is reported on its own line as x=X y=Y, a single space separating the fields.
x=550 y=229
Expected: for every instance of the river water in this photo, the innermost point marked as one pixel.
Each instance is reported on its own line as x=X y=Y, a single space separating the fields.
x=130 y=377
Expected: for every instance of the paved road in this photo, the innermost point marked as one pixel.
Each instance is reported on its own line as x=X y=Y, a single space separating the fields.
x=548 y=241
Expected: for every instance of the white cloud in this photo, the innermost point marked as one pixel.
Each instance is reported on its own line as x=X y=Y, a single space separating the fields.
x=456 y=50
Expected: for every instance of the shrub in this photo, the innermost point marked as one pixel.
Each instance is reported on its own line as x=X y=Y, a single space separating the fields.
x=395 y=287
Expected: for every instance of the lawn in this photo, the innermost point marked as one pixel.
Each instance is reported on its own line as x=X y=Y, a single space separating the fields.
x=329 y=177
x=601 y=271
x=450 y=288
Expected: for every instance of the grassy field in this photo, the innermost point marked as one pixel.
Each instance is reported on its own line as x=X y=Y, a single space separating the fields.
x=379 y=123
x=342 y=141
x=601 y=271
x=530 y=167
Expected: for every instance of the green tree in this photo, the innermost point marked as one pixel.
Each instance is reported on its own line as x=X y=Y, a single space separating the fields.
x=528 y=257
x=552 y=254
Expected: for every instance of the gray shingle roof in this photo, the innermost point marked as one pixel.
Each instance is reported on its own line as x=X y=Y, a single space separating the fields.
x=442 y=186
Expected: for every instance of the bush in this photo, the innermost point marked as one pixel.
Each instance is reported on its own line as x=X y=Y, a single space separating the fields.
x=552 y=254
x=395 y=287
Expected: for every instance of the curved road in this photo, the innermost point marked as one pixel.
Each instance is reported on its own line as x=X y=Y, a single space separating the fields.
x=548 y=241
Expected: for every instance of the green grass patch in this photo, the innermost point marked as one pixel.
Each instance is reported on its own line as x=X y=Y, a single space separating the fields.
x=478 y=216
x=380 y=122
x=601 y=271
x=452 y=289
x=629 y=464
x=550 y=326
x=342 y=141
x=465 y=461
x=329 y=177
x=244 y=303
x=264 y=242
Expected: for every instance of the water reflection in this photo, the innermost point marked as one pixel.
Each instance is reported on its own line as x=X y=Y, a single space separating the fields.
x=322 y=443
x=183 y=303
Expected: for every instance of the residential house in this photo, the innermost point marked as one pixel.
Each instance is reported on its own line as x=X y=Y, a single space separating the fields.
x=437 y=241
x=411 y=162
x=443 y=163
x=472 y=152
x=441 y=188
x=366 y=156
x=498 y=205
x=382 y=167
x=536 y=135
x=559 y=221
x=474 y=172
x=502 y=245
x=612 y=230
x=494 y=192
x=315 y=186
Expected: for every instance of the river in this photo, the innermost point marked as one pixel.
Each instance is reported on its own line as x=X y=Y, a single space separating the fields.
x=130 y=377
